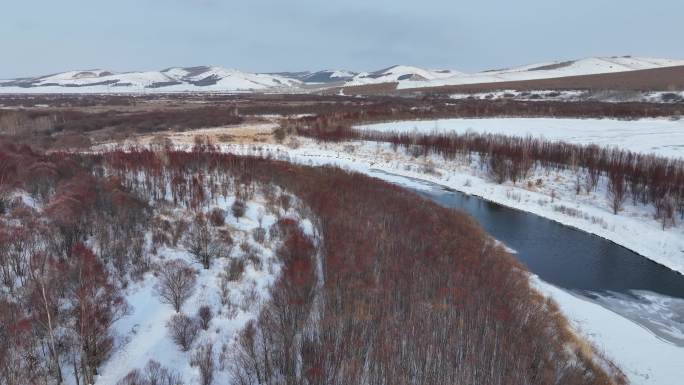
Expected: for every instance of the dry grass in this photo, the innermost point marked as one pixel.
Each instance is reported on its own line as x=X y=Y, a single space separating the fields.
x=244 y=134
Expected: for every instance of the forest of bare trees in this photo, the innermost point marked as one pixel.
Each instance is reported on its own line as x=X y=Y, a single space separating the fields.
x=408 y=292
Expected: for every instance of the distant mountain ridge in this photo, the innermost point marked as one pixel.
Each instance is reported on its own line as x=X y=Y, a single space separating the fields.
x=176 y=79
x=550 y=70
x=220 y=79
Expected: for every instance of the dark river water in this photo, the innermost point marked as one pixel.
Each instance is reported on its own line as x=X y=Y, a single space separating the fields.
x=587 y=265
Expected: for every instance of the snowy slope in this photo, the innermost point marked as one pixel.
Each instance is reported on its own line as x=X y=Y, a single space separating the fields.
x=170 y=80
x=320 y=77
x=588 y=66
x=401 y=73
x=219 y=79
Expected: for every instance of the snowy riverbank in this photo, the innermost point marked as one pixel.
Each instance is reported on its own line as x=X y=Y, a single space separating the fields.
x=644 y=358
x=634 y=348
x=555 y=198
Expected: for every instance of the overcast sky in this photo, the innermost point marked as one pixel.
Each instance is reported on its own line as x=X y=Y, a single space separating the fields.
x=47 y=36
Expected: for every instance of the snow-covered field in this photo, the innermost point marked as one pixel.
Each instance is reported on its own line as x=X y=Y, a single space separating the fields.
x=660 y=136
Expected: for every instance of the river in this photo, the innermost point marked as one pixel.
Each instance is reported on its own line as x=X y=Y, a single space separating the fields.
x=586 y=265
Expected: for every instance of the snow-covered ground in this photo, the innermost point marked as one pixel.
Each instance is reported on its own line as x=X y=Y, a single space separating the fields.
x=142 y=335
x=661 y=136
x=643 y=357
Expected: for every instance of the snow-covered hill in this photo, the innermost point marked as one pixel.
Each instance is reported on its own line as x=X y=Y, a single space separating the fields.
x=219 y=79
x=216 y=79
x=320 y=77
x=548 y=70
x=401 y=74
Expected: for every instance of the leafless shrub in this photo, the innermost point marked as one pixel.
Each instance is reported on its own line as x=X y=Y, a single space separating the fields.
x=238 y=208
x=153 y=374
x=259 y=234
x=221 y=246
x=204 y=315
x=429 y=168
x=617 y=190
x=176 y=283
x=198 y=239
x=250 y=298
x=180 y=228
x=224 y=288
x=235 y=269
x=183 y=330
x=217 y=217
x=203 y=359
x=285 y=201
x=251 y=255
x=665 y=211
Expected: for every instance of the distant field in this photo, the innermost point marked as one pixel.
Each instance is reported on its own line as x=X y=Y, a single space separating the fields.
x=661 y=136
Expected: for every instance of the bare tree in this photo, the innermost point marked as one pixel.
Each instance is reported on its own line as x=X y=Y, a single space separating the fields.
x=616 y=190
x=153 y=374
x=235 y=269
x=203 y=358
x=44 y=303
x=7 y=170
x=665 y=211
x=198 y=241
x=183 y=330
x=217 y=217
x=176 y=283
x=204 y=314
x=238 y=208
